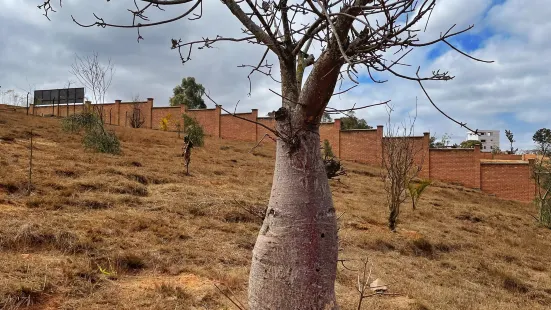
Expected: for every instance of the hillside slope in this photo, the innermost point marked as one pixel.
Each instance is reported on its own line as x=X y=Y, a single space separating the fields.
x=133 y=232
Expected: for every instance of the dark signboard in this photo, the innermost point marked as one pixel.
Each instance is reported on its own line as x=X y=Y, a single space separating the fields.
x=59 y=96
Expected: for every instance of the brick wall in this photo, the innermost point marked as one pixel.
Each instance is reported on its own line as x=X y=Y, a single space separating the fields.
x=174 y=114
x=207 y=118
x=468 y=167
x=237 y=129
x=331 y=133
x=453 y=166
x=363 y=146
x=508 y=180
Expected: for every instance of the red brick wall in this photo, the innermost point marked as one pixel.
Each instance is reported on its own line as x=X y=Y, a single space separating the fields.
x=125 y=111
x=508 y=180
x=331 y=132
x=453 y=166
x=236 y=129
x=461 y=166
x=160 y=113
x=507 y=157
x=207 y=119
x=361 y=145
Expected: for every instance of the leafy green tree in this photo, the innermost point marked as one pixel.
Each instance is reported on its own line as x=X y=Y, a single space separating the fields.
x=542 y=138
x=444 y=142
x=469 y=144
x=509 y=136
x=432 y=142
x=189 y=93
x=352 y=122
x=326 y=118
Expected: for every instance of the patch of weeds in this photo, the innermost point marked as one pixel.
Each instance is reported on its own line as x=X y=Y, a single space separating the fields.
x=174 y=292
x=25 y=295
x=381 y=246
x=142 y=179
x=130 y=262
x=135 y=189
x=8 y=139
x=514 y=285
x=10 y=186
x=469 y=217
x=66 y=173
x=239 y=216
x=197 y=211
x=424 y=248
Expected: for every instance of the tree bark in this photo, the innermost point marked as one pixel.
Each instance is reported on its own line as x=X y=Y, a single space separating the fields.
x=295 y=255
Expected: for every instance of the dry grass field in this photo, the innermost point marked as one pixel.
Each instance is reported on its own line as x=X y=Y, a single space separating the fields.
x=133 y=232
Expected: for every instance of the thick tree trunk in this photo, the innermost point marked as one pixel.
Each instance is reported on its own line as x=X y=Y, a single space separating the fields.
x=295 y=257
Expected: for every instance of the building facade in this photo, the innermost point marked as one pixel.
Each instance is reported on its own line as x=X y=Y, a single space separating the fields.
x=489 y=139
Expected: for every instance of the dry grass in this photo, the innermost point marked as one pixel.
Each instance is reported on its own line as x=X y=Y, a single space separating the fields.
x=133 y=232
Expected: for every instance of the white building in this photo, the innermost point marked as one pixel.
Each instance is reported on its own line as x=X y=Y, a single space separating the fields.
x=489 y=139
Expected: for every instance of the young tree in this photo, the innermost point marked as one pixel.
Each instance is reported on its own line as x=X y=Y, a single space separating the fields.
x=189 y=93
x=542 y=175
x=401 y=165
x=136 y=117
x=509 y=136
x=294 y=260
x=95 y=76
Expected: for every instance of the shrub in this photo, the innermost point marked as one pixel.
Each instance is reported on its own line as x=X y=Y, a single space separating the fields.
x=102 y=141
x=163 y=124
x=95 y=136
x=193 y=130
x=333 y=167
x=77 y=122
x=416 y=190
x=327 y=150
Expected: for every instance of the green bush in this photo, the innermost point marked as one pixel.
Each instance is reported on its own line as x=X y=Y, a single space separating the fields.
x=95 y=136
x=102 y=141
x=77 y=122
x=193 y=130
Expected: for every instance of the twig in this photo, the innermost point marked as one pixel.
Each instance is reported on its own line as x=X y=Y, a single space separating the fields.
x=265 y=135
x=236 y=303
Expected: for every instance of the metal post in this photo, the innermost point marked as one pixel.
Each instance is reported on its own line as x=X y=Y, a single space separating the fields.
x=53 y=107
x=125 y=117
x=27 y=103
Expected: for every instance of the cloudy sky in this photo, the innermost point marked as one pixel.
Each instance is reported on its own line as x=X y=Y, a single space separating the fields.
x=511 y=93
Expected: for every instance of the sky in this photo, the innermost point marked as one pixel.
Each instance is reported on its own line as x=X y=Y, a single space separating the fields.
x=510 y=93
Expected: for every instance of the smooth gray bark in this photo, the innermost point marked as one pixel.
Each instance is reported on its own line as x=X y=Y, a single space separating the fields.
x=294 y=259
